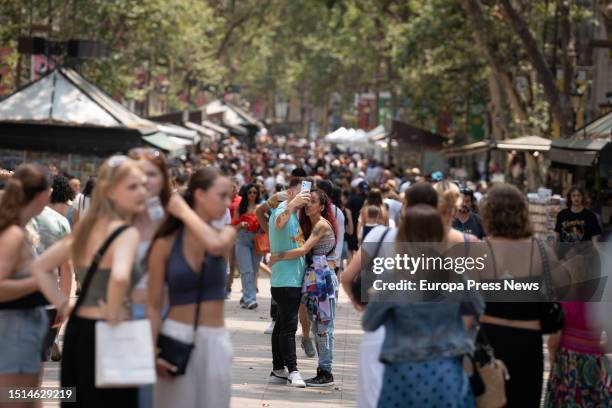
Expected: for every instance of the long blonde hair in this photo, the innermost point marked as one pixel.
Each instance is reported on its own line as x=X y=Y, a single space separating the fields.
x=448 y=199
x=112 y=172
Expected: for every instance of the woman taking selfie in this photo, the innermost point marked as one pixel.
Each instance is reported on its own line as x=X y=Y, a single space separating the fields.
x=119 y=195
x=195 y=278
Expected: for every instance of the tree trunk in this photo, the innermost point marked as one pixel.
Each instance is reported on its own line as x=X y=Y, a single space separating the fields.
x=499 y=118
x=474 y=13
x=558 y=102
x=567 y=63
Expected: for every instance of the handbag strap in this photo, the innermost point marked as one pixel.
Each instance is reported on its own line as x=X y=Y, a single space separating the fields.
x=486 y=344
x=378 y=245
x=93 y=267
x=550 y=292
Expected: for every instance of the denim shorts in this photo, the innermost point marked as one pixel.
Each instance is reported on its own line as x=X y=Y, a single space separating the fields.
x=23 y=332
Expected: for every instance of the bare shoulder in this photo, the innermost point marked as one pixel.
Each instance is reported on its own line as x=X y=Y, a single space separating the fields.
x=322 y=227
x=11 y=235
x=163 y=245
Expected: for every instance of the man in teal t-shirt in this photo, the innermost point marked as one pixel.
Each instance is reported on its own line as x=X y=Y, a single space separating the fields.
x=287 y=275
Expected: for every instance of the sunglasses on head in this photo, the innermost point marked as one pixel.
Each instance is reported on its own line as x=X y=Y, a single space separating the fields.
x=139 y=152
x=116 y=160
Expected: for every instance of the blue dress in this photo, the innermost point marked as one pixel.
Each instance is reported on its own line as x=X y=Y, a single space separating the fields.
x=437 y=383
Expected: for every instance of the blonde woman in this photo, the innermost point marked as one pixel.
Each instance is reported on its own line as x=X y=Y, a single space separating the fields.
x=449 y=201
x=119 y=195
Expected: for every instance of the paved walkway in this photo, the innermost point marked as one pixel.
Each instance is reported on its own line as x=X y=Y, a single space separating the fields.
x=253 y=359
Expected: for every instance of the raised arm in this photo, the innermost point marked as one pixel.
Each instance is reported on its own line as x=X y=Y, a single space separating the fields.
x=124 y=257
x=262 y=210
x=215 y=242
x=297 y=202
x=261 y=214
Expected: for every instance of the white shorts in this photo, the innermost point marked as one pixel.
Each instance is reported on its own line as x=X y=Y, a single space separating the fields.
x=371 y=370
x=207 y=382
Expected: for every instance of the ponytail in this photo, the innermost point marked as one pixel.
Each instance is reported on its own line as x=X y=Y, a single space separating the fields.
x=27 y=182
x=10 y=205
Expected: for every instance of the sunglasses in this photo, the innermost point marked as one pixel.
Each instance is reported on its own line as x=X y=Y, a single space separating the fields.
x=116 y=160
x=139 y=152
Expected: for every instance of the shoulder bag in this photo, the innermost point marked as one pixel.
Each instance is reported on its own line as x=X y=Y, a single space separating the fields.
x=177 y=352
x=488 y=375
x=553 y=317
x=357 y=282
x=261 y=243
x=123 y=352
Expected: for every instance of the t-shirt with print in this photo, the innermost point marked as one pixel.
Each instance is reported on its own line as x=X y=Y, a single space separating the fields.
x=473 y=226
x=577 y=227
x=287 y=272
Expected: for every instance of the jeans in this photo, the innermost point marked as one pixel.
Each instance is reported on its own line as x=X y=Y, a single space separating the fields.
x=323 y=332
x=248 y=263
x=283 y=337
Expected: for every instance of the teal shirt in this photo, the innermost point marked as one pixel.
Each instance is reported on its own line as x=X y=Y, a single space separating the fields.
x=289 y=272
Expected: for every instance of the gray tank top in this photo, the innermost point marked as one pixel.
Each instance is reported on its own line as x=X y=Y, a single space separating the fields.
x=99 y=283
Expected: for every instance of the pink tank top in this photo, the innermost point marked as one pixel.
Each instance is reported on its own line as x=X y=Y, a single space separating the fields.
x=577 y=334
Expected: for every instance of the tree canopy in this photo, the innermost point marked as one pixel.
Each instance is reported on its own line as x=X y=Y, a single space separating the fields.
x=437 y=58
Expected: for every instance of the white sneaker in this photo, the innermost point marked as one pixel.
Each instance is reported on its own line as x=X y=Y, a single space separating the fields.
x=270 y=328
x=278 y=376
x=295 y=380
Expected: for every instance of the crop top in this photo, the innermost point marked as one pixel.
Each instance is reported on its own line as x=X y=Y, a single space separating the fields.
x=251 y=220
x=99 y=283
x=182 y=280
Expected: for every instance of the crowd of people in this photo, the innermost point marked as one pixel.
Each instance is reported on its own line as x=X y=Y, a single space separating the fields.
x=150 y=238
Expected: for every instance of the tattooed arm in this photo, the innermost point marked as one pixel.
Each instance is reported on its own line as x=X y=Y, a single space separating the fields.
x=321 y=229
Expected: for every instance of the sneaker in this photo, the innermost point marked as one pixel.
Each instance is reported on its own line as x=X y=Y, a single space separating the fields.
x=295 y=380
x=323 y=379
x=252 y=305
x=308 y=347
x=278 y=376
x=270 y=328
x=242 y=304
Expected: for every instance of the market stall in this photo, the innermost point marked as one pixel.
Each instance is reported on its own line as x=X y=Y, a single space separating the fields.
x=62 y=118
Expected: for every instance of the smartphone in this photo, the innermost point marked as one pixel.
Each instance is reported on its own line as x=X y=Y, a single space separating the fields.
x=306 y=186
x=155 y=208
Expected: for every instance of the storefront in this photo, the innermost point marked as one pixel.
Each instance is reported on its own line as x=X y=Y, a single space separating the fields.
x=586 y=163
x=468 y=162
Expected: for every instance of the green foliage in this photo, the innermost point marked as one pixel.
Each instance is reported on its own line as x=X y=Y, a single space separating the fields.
x=423 y=51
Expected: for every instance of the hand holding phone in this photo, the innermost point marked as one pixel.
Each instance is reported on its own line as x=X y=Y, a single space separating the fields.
x=306 y=186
